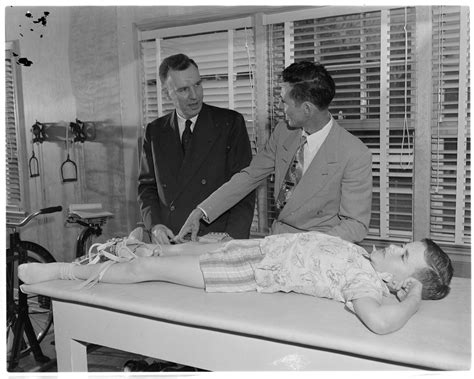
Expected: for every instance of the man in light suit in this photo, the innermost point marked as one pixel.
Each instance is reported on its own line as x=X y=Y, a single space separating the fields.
x=334 y=194
x=189 y=153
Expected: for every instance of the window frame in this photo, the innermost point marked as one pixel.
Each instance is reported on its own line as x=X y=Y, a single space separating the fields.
x=159 y=34
x=385 y=124
x=422 y=113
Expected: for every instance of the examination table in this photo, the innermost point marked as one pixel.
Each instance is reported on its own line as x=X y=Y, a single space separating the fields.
x=251 y=331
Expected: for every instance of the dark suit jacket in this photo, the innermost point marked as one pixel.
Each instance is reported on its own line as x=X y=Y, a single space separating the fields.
x=170 y=186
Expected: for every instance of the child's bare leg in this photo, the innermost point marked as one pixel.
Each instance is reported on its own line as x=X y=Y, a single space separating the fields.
x=190 y=248
x=199 y=248
x=40 y=272
x=177 y=264
x=179 y=269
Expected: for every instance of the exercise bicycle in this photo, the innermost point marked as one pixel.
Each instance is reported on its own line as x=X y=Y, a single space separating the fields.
x=28 y=317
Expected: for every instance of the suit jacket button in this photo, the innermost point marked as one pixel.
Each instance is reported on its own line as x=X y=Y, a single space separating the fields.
x=172 y=208
x=203 y=181
x=164 y=185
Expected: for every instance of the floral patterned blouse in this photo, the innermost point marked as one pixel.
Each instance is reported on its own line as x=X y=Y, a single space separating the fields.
x=317 y=264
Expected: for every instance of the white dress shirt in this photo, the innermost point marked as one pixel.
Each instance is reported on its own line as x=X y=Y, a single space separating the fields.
x=182 y=124
x=314 y=142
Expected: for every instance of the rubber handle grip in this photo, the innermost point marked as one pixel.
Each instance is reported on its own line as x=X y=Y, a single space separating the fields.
x=57 y=208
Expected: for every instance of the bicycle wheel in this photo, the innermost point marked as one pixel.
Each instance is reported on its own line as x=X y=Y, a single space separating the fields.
x=39 y=307
x=84 y=241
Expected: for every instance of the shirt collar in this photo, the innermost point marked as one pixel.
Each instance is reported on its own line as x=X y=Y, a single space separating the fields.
x=321 y=133
x=182 y=120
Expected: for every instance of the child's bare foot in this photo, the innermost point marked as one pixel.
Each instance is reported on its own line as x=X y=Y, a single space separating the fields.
x=31 y=273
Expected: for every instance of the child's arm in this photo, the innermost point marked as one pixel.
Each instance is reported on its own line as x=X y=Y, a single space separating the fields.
x=383 y=319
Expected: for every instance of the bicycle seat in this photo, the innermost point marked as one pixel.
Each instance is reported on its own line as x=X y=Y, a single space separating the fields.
x=90 y=213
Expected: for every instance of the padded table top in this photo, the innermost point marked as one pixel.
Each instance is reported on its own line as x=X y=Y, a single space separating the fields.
x=438 y=336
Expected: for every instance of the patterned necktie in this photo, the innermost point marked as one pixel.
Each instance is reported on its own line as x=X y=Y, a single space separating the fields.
x=186 y=138
x=292 y=177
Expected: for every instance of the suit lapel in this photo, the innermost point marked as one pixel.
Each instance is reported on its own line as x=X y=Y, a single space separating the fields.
x=320 y=170
x=205 y=133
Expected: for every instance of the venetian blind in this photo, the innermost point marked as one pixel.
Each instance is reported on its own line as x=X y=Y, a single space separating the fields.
x=370 y=56
x=12 y=172
x=450 y=200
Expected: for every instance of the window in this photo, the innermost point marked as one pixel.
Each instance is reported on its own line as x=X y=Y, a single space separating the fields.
x=15 y=182
x=450 y=151
x=226 y=64
x=380 y=90
x=226 y=60
x=370 y=56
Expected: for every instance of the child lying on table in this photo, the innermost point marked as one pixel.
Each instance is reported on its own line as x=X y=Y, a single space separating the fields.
x=310 y=263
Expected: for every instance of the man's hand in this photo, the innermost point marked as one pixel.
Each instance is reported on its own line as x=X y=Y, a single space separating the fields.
x=191 y=225
x=409 y=287
x=161 y=235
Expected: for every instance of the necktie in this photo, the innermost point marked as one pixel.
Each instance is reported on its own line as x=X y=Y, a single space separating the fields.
x=292 y=177
x=186 y=137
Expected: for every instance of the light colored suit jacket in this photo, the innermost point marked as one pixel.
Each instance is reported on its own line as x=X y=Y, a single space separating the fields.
x=334 y=196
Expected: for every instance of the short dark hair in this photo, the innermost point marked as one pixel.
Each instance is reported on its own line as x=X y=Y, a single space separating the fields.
x=311 y=82
x=437 y=276
x=177 y=62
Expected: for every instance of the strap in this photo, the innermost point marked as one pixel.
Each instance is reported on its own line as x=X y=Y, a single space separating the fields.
x=96 y=277
x=66 y=271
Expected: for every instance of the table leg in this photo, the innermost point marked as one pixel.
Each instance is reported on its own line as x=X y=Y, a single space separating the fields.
x=71 y=354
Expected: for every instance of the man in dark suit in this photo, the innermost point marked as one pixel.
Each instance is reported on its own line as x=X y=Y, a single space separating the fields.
x=189 y=153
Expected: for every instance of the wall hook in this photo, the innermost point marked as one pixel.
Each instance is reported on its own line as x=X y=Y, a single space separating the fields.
x=78 y=131
x=39 y=135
